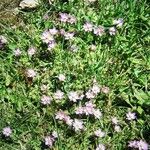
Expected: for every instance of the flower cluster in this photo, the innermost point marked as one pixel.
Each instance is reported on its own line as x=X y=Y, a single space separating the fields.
x=100 y=147
x=88 y=109
x=64 y=17
x=49 y=140
x=99 y=133
x=93 y=92
x=48 y=38
x=116 y=125
x=141 y=145
x=77 y=124
x=131 y=116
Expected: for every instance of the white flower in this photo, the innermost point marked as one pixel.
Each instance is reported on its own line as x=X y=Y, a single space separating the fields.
x=31 y=73
x=60 y=115
x=58 y=95
x=97 y=113
x=119 y=22
x=99 y=31
x=114 y=120
x=100 y=147
x=99 y=133
x=131 y=116
x=31 y=51
x=73 y=96
x=93 y=47
x=61 y=77
x=44 y=88
x=95 y=89
x=55 y=134
x=68 y=120
x=68 y=35
x=17 y=52
x=117 y=128
x=78 y=125
x=112 y=31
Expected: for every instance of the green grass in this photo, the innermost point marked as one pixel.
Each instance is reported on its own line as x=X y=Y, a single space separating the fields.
x=121 y=62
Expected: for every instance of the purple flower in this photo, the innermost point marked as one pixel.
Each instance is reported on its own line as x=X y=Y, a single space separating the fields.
x=45 y=100
x=7 y=131
x=88 y=27
x=89 y=94
x=112 y=31
x=80 y=110
x=99 y=31
x=131 y=116
x=95 y=89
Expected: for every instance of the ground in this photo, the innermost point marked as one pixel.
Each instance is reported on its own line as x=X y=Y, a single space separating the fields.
x=118 y=65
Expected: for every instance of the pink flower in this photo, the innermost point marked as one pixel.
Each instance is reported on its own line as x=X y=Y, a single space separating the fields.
x=61 y=77
x=47 y=37
x=53 y=31
x=60 y=115
x=133 y=144
x=73 y=96
x=45 y=100
x=68 y=120
x=130 y=116
x=78 y=125
x=72 y=19
x=79 y=110
x=49 y=141
x=30 y=73
x=99 y=31
x=64 y=17
x=17 y=52
x=90 y=95
x=100 y=147
x=31 y=51
x=7 y=131
x=59 y=95
x=88 y=27
x=142 y=145
x=112 y=31
x=99 y=133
